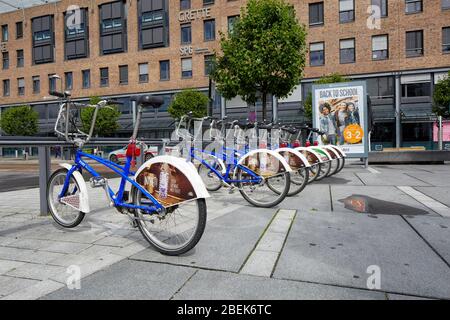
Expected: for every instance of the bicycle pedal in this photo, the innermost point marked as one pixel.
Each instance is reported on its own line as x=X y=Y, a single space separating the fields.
x=98 y=182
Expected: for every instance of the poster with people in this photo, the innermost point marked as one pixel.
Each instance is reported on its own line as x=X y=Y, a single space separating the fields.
x=340 y=113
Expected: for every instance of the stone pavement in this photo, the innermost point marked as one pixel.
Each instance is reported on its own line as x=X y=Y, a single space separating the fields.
x=329 y=242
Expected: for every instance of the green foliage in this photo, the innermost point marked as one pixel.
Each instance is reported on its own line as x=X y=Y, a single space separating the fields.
x=265 y=52
x=441 y=98
x=106 y=123
x=187 y=101
x=331 y=78
x=19 y=121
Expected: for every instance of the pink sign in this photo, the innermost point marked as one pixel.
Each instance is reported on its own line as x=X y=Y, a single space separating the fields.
x=445 y=129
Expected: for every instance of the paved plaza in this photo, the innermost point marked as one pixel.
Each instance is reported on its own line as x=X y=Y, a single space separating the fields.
x=376 y=233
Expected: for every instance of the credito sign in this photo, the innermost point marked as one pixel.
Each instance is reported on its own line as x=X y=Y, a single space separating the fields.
x=195 y=14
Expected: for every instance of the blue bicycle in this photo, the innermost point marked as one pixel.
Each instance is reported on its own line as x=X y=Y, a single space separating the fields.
x=166 y=200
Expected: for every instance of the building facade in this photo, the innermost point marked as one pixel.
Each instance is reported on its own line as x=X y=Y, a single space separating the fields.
x=123 y=48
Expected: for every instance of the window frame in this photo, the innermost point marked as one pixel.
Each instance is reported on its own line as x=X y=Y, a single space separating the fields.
x=183 y=27
x=209 y=22
x=123 y=77
x=143 y=77
x=165 y=62
x=187 y=74
x=444 y=43
x=6 y=87
x=36 y=88
x=20 y=59
x=353 y=15
x=20 y=89
x=341 y=49
x=386 y=50
x=415 y=2
x=311 y=52
x=83 y=78
x=19 y=35
x=104 y=79
x=322 y=15
x=422 y=53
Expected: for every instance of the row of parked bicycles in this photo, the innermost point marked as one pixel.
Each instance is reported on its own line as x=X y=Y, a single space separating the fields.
x=166 y=197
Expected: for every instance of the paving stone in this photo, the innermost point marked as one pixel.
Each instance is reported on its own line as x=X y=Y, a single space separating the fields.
x=9 y=285
x=35 y=271
x=8 y=265
x=260 y=263
x=390 y=179
x=35 y=291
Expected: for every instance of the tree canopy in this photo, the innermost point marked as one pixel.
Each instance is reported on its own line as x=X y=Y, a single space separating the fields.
x=19 y=121
x=107 y=119
x=441 y=97
x=189 y=101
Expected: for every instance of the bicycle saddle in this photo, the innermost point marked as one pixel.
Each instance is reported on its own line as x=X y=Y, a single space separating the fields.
x=147 y=100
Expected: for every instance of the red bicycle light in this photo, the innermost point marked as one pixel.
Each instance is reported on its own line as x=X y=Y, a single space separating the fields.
x=316 y=143
x=296 y=144
x=283 y=145
x=308 y=144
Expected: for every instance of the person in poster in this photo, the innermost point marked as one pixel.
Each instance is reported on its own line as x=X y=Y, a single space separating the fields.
x=341 y=115
x=328 y=123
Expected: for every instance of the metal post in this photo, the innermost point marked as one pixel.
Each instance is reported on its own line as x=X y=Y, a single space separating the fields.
x=44 y=174
x=274 y=109
x=223 y=107
x=134 y=110
x=398 y=116
x=440 y=133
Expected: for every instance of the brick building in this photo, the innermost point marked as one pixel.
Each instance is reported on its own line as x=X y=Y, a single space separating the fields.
x=122 y=48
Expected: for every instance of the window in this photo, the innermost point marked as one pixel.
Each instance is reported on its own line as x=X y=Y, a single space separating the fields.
x=381 y=87
x=153 y=24
x=20 y=59
x=445 y=4
x=21 y=86
x=209 y=30
x=231 y=22
x=316 y=13
x=416 y=86
x=413 y=6
x=380 y=47
x=43 y=39
x=51 y=82
x=317 y=54
x=19 y=30
x=185 y=4
x=414 y=43
x=186 y=34
x=446 y=40
x=68 y=79
x=113 y=28
x=86 y=75
x=36 y=84
x=383 y=5
x=123 y=74
x=209 y=64
x=5 y=34
x=6 y=88
x=347 y=51
x=208 y=2
x=143 y=72
x=5 y=60
x=76 y=35
x=346 y=11
x=104 y=77
x=164 y=70
x=186 y=68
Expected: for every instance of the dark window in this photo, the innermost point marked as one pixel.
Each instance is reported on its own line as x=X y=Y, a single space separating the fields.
x=316 y=13
x=20 y=59
x=231 y=22
x=445 y=4
x=51 y=82
x=68 y=79
x=164 y=70
x=21 y=86
x=113 y=28
x=5 y=60
x=383 y=132
x=383 y=5
x=347 y=51
x=208 y=2
x=43 y=40
x=5 y=33
x=380 y=47
x=209 y=64
x=186 y=34
x=422 y=89
x=446 y=40
x=76 y=34
x=413 y=6
x=417 y=132
x=381 y=87
x=186 y=68
x=104 y=77
x=317 y=54
x=123 y=74
x=209 y=30
x=19 y=30
x=86 y=74
x=143 y=72
x=36 y=84
x=152 y=23
x=414 y=43
x=346 y=10
x=185 y=4
x=6 y=88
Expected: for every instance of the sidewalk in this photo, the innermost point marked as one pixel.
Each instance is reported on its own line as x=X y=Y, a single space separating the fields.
x=313 y=246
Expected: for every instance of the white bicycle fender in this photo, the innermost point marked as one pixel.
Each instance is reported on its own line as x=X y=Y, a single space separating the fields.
x=84 y=196
x=333 y=153
x=344 y=155
x=276 y=155
x=297 y=154
x=300 y=149
x=186 y=167
x=325 y=151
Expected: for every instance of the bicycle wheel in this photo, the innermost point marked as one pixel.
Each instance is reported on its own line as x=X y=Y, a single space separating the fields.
x=324 y=170
x=210 y=179
x=64 y=214
x=267 y=194
x=176 y=232
x=335 y=164
x=299 y=180
x=342 y=164
x=314 y=172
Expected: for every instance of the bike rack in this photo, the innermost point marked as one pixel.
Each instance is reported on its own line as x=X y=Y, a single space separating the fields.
x=43 y=144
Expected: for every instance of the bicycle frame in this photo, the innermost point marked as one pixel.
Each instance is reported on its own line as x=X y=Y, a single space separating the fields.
x=123 y=171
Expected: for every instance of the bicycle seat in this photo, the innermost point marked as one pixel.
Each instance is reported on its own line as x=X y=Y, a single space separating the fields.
x=147 y=101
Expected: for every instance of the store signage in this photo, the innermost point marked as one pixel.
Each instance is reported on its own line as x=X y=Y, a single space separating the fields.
x=189 y=51
x=195 y=14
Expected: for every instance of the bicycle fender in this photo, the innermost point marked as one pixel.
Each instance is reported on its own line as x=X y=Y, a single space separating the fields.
x=339 y=150
x=272 y=153
x=332 y=152
x=189 y=184
x=297 y=155
x=318 y=158
x=327 y=155
x=84 y=196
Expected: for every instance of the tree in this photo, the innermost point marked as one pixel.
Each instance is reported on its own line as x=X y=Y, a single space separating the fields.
x=189 y=101
x=331 y=78
x=441 y=97
x=19 y=121
x=106 y=123
x=265 y=53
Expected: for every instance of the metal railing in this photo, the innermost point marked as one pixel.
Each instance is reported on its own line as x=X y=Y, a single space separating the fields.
x=44 y=144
